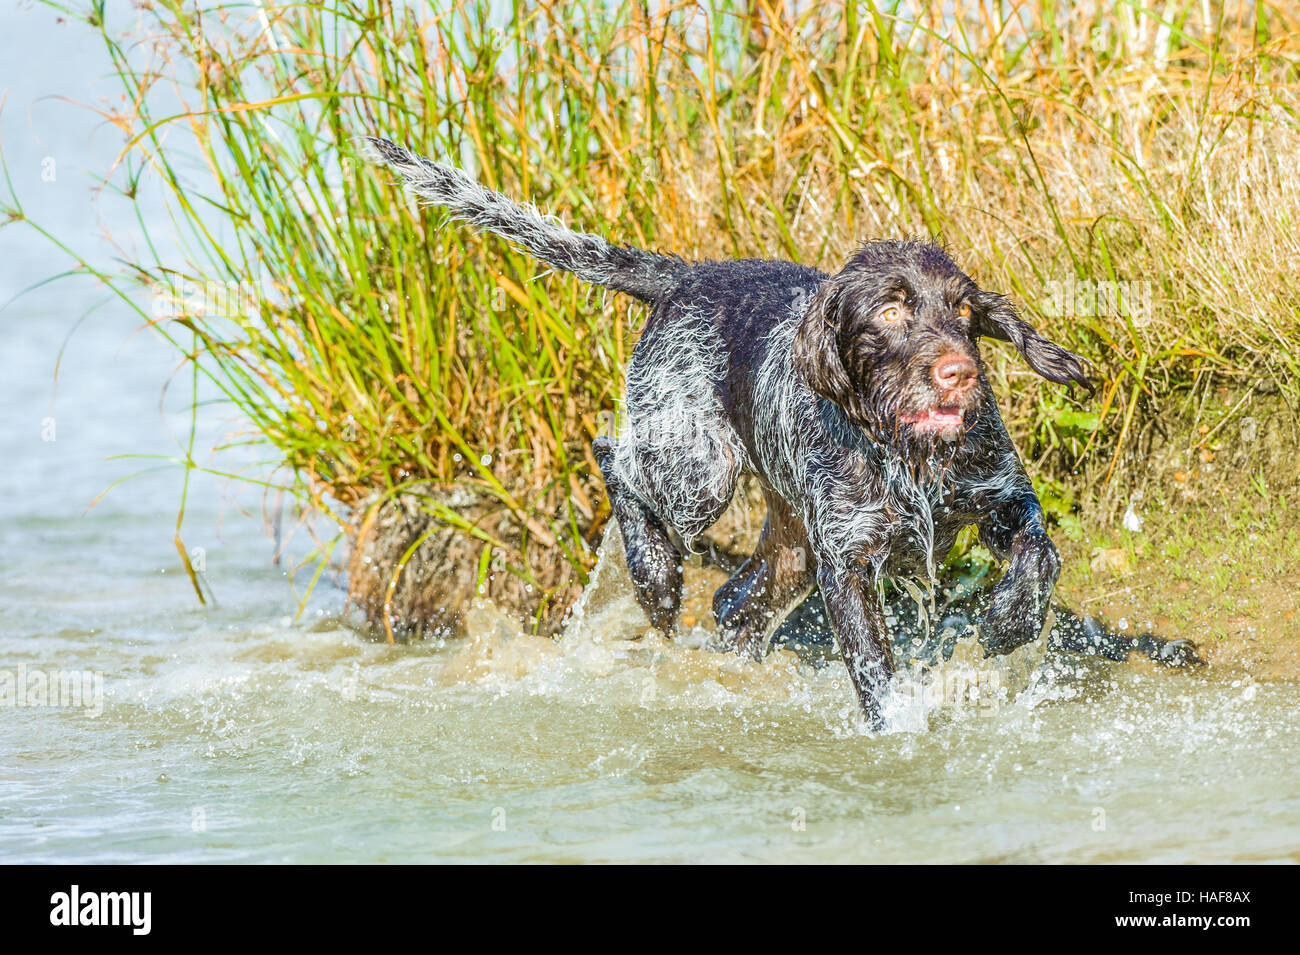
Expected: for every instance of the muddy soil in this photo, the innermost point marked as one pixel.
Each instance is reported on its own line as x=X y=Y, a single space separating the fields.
x=1207 y=545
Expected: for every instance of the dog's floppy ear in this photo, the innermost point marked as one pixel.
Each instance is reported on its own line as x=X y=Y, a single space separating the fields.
x=998 y=319
x=816 y=351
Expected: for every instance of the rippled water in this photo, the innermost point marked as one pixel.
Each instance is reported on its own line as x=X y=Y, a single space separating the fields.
x=230 y=733
x=234 y=736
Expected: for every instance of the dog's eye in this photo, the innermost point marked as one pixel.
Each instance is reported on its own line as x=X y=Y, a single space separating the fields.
x=891 y=313
x=964 y=309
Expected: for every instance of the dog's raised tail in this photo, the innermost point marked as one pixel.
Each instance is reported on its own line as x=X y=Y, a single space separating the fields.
x=648 y=276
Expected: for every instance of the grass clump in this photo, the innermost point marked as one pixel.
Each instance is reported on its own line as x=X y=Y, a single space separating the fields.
x=1126 y=172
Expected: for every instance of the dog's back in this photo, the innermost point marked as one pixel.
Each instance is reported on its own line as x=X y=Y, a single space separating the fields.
x=745 y=299
x=690 y=377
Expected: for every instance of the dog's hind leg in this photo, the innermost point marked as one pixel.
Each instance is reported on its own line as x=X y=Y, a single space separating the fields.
x=654 y=489
x=751 y=605
x=677 y=459
x=653 y=560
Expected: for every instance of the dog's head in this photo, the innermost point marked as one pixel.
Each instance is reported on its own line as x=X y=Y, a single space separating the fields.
x=893 y=339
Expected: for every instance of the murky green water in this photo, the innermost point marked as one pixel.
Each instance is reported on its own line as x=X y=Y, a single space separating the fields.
x=228 y=733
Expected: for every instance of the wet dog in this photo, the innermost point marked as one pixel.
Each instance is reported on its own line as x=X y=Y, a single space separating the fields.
x=859 y=400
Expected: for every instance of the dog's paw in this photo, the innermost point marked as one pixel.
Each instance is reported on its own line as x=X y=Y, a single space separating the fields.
x=749 y=644
x=742 y=644
x=1170 y=653
x=1002 y=631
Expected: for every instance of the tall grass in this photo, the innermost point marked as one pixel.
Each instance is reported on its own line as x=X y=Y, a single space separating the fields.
x=378 y=352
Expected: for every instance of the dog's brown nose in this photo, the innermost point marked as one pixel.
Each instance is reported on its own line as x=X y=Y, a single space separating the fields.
x=955 y=372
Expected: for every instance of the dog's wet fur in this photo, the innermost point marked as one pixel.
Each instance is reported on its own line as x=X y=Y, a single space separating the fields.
x=926 y=636
x=858 y=400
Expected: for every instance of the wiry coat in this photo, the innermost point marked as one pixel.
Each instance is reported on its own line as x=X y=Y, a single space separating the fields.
x=858 y=400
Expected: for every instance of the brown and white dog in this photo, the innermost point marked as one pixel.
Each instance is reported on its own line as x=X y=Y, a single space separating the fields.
x=858 y=400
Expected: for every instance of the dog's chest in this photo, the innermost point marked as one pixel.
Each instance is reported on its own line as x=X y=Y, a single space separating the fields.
x=916 y=547
x=919 y=525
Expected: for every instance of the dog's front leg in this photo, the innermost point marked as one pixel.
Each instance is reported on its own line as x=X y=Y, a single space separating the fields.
x=1023 y=596
x=858 y=619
